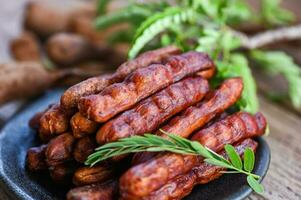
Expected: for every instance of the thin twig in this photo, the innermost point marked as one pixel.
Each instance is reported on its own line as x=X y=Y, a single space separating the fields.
x=269 y=37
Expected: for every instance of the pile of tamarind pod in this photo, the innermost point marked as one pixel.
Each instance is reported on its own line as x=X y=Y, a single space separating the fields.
x=59 y=46
x=160 y=89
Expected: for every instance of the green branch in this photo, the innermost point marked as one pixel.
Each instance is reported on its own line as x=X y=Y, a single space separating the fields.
x=176 y=144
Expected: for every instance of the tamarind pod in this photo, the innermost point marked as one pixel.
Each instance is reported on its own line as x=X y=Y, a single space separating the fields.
x=195 y=117
x=95 y=85
x=145 y=59
x=59 y=150
x=14 y=75
x=202 y=173
x=63 y=173
x=82 y=126
x=83 y=148
x=99 y=191
x=140 y=84
x=143 y=179
x=34 y=121
x=71 y=96
x=145 y=156
x=90 y=175
x=222 y=131
x=147 y=115
x=53 y=122
x=45 y=19
x=92 y=85
x=25 y=47
x=35 y=158
x=68 y=49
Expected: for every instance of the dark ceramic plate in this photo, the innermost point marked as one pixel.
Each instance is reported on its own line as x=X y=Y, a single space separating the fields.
x=16 y=137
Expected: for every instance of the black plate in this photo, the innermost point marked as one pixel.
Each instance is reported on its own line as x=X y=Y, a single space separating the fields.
x=16 y=137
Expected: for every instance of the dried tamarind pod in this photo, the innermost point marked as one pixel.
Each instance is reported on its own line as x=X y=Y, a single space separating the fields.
x=147 y=115
x=83 y=148
x=202 y=173
x=35 y=158
x=141 y=84
x=96 y=84
x=100 y=191
x=81 y=126
x=141 y=180
x=26 y=47
x=90 y=175
x=59 y=150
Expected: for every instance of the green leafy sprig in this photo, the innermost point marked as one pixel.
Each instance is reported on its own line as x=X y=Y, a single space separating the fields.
x=202 y=26
x=277 y=62
x=176 y=144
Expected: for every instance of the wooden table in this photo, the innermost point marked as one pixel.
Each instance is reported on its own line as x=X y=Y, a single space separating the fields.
x=283 y=180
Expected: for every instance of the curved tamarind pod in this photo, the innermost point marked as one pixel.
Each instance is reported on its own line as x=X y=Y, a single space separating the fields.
x=59 y=149
x=202 y=173
x=83 y=148
x=95 y=85
x=68 y=49
x=16 y=75
x=35 y=158
x=140 y=84
x=92 y=85
x=147 y=115
x=45 y=18
x=81 y=126
x=143 y=179
x=54 y=121
x=99 y=191
x=90 y=175
x=222 y=132
x=26 y=47
x=145 y=59
x=34 y=121
x=195 y=117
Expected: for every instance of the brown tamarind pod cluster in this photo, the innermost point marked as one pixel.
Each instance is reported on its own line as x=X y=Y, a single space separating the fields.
x=161 y=89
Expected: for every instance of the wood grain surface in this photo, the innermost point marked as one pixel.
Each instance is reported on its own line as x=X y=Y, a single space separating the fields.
x=283 y=180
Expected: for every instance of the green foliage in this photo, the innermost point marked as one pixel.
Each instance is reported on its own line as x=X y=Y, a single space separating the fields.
x=234 y=157
x=123 y=36
x=277 y=62
x=102 y=6
x=175 y=144
x=223 y=42
x=204 y=26
x=238 y=12
x=133 y=14
x=249 y=160
x=156 y=24
x=255 y=185
x=239 y=66
x=273 y=14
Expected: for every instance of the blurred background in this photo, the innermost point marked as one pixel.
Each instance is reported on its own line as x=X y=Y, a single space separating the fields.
x=45 y=19
x=53 y=43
